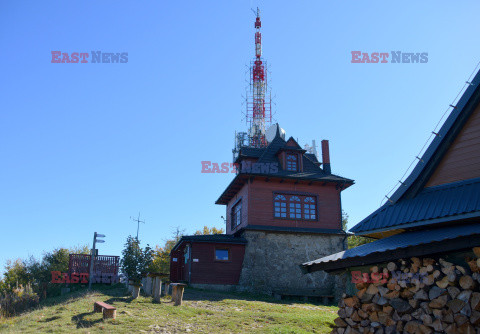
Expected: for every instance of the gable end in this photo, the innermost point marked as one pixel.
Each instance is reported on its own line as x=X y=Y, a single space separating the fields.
x=462 y=160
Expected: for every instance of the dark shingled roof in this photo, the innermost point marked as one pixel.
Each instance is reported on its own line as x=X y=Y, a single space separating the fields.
x=397 y=211
x=311 y=156
x=251 y=152
x=268 y=155
x=214 y=238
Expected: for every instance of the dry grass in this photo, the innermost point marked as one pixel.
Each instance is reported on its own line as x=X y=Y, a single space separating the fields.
x=202 y=312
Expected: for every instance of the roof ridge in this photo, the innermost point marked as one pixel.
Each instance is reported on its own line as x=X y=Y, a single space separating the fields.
x=432 y=149
x=271 y=147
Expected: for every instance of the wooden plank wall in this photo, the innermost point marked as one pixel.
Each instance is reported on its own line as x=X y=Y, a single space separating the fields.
x=209 y=271
x=261 y=204
x=462 y=160
x=243 y=193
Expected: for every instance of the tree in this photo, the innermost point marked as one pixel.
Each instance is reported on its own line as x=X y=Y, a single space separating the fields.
x=161 y=255
x=161 y=258
x=37 y=273
x=135 y=260
x=353 y=240
x=209 y=230
x=80 y=249
x=14 y=276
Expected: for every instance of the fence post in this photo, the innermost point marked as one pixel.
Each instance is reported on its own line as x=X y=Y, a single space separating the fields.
x=158 y=289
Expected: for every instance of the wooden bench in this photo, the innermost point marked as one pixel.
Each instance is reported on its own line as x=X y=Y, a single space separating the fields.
x=109 y=311
x=177 y=293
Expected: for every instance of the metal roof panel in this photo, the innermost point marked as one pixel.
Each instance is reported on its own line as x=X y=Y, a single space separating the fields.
x=436 y=202
x=402 y=240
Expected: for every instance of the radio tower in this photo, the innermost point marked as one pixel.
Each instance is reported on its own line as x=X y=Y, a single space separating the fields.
x=259 y=111
x=258 y=100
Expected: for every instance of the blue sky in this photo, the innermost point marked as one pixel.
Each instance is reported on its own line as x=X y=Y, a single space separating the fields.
x=85 y=146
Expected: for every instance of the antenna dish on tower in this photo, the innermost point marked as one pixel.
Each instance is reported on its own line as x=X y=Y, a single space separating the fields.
x=272 y=132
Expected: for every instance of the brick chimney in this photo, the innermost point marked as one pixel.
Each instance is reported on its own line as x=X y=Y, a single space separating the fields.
x=326 y=157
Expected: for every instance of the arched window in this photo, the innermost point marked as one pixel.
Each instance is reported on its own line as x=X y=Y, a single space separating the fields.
x=295 y=208
x=309 y=208
x=280 y=204
x=292 y=162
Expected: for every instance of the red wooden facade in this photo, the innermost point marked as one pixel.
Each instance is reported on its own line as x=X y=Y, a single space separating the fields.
x=177 y=265
x=258 y=208
x=195 y=263
x=310 y=194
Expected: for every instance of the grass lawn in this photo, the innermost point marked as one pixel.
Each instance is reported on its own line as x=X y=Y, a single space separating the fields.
x=202 y=312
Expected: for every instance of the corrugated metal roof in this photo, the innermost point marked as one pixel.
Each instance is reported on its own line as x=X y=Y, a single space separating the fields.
x=431 y=203
x=436 y=205
x=402 y=240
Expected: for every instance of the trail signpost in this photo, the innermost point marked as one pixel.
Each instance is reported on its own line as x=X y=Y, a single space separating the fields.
x=93 y=255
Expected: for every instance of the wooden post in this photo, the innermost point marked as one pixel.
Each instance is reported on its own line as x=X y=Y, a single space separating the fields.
x=177 y=293
x=148 y=286
x=154 y=285
x=135 y=291
x=158 y=289
x=174 y=292
x=154 y=279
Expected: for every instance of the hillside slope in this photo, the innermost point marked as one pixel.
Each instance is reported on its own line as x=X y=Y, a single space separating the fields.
x=202 y=312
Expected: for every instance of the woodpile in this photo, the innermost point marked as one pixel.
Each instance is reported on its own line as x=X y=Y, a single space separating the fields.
x=417 y=296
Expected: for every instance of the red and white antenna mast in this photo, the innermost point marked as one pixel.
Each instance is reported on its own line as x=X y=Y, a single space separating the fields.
x=259 y=101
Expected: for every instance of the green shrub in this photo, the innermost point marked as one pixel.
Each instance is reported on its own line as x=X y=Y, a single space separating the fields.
x=18 y=300
x=135 y=260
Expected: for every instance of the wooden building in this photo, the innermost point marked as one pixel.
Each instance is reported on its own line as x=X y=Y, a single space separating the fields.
x=207 y=259
x=283 y=205
x=430 y=225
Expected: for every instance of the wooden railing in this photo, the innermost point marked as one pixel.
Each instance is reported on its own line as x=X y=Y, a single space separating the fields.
x=104 y=264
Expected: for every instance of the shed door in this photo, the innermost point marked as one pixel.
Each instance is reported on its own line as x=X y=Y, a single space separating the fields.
x=176 y=266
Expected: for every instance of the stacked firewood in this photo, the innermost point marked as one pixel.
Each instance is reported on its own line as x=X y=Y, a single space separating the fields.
x=418 y=295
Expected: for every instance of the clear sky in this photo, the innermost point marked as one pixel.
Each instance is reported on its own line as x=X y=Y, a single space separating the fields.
x=85 y=146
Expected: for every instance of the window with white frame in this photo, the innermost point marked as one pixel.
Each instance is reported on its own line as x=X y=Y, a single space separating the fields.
x=295 y=207
x=280 y=206
x=292 y=162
